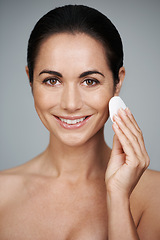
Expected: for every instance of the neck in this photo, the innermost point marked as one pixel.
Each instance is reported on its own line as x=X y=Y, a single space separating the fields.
x=85 y=161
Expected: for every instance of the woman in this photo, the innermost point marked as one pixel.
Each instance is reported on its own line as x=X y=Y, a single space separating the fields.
x=79 y=188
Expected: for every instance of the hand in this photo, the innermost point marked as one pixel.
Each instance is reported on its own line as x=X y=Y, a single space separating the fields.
x=129 y=158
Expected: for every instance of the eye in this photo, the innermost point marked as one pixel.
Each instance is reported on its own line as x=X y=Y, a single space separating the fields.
x=51 y=81
x=90 y=82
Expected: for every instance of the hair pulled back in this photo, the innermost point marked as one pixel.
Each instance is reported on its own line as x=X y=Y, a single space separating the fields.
x=77 y=19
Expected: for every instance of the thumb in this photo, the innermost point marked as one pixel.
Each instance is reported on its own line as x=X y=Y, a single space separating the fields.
x=116 y=159
x=117 y=147
x=117 y=154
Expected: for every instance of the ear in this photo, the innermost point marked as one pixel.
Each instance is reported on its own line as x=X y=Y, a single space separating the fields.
x=121 y=76
x=27 y=71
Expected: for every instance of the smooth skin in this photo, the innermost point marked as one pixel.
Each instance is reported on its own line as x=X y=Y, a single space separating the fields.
x=79 y=188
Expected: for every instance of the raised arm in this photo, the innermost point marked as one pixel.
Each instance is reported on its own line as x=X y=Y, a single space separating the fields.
x=128 y=161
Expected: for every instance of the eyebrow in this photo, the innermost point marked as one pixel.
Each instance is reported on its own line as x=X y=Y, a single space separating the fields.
x=51 y=72
x=84 y=74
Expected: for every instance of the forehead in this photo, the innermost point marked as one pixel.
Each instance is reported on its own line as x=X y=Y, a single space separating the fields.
x=66 y=50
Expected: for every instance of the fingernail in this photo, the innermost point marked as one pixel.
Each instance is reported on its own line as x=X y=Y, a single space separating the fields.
x=122 y=111
x=116 y=117
x=128 y=111
x=115 y=125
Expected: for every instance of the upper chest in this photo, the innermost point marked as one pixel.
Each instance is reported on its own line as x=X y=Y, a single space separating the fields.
x=56 y=214
x=61 y=213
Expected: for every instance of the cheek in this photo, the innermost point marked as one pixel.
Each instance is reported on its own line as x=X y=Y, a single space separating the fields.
x=44 y=100
x=99 y=100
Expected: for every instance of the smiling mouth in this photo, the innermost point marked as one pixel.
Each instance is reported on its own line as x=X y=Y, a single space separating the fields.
x=72 y=121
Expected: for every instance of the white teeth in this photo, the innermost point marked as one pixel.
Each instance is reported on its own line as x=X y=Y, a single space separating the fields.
x=68 y=121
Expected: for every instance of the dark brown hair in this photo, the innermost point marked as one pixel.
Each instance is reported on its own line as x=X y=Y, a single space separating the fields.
x=77 y=19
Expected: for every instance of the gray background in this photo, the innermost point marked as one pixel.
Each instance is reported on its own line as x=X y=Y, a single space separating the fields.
x=22 y=135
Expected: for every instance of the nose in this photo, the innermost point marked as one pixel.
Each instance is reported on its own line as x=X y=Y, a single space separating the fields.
x=71 y=99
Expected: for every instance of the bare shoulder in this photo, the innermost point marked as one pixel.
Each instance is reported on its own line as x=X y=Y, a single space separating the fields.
x=149 y=192
x=150 y=185
x=148 y=189
x=9 y=177
x=13 y=181
x=152 y=176
x=10 y=184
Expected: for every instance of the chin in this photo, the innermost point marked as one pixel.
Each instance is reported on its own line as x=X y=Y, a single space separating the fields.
x=80 y=139
x=74 y=141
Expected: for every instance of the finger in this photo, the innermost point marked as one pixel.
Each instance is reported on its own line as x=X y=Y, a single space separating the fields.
x=117 y=158
x=131 y=155
x=125 y=142
x=130 y=122
x=129 y=136
x=130 y=115
x=137 y=142
x=139 y=133
x=117 y=147
x=128 y=118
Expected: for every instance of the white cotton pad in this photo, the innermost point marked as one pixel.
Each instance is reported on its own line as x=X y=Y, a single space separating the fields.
x=115 y=104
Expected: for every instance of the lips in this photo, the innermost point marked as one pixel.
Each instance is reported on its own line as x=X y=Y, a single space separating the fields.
x=72 y=122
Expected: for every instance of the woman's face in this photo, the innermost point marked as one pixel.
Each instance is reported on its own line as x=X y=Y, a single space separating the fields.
x=72 y=86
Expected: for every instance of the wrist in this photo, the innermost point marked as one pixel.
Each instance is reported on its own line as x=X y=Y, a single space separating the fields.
x=115 y=192
x=118 y=200
x=120 y=221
